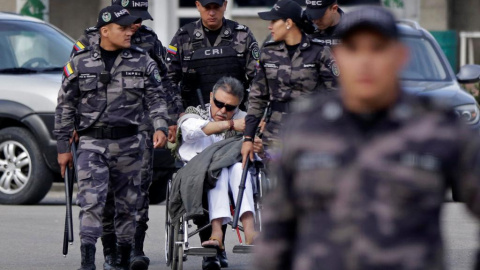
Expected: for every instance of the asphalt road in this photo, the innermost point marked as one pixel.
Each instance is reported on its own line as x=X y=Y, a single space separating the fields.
x=31 y=238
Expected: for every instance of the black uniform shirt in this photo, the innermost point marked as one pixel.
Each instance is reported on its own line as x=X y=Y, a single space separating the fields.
x=109 y=57
x=212 y=34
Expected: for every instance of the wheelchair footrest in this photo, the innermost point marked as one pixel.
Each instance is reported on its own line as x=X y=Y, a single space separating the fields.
x=243 y=249
x=200 y=251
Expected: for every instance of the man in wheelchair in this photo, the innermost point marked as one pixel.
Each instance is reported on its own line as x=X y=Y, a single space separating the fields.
x=199 y=129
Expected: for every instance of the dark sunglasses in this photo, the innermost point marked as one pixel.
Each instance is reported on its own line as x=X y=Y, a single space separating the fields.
x=220 y=105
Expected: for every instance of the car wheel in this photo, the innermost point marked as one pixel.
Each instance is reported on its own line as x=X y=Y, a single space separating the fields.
x=24 y=176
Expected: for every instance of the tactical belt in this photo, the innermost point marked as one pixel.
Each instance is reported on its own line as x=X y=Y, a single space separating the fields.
x=281 y=106
x=110 y=133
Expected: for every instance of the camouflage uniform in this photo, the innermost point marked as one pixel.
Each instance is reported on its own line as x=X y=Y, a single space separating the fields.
x=146 y=39
x=280 y=80
x=360 y=197
x=191 y=38
x=82 y=99
x=187 y=68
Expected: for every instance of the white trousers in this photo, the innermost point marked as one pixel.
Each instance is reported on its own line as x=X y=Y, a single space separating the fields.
x=218 y=200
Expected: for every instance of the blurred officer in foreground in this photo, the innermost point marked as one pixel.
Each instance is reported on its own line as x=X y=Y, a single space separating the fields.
x=145 y=38
x=326 y=15
x=213 y=47
x=363 y=175
x=291 y=66
x=102 y=98
x=199 y=55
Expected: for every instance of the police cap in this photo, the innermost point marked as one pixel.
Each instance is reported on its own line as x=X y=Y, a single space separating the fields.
x=283 y=9
x=316 y=8
x=116 y=14
x=206 y=2
x=373 y=18
x=137 y=8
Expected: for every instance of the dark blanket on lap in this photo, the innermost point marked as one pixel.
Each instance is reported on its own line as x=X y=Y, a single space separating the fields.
x=200 y=174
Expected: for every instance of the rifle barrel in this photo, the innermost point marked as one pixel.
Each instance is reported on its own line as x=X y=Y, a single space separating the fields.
x=241 y=191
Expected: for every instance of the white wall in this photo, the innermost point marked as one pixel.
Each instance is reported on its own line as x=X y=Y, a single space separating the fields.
x=434 y=14
x=8 y=6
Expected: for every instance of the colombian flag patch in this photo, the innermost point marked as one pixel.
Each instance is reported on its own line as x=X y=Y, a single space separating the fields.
x=171 y=49
x=78 y=46
x=68 y=70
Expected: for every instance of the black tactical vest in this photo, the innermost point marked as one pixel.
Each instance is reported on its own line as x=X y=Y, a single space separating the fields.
x=207 y=65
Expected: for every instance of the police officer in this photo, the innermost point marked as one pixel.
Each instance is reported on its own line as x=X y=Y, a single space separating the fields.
x=102 y=98
x=363 y=175
x=143 y=37
x=291 y=66
x=326 y=15
x=200 y=54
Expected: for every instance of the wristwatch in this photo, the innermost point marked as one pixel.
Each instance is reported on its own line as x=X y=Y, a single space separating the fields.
x=164 y=130
x=247 y=139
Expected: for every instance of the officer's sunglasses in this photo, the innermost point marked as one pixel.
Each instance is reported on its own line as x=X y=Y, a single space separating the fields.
x=220 y=105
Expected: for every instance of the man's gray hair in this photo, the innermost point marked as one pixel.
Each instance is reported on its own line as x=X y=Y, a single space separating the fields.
x=231 y=86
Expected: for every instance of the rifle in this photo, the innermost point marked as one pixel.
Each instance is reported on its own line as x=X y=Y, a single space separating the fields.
x=243 y=180
x=241 y=191
x=200 y=99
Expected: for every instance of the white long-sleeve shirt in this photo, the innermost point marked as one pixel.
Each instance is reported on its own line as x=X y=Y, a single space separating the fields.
x=195 y=140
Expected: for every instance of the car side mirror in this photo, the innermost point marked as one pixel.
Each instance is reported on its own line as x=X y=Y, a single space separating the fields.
x=469 y=74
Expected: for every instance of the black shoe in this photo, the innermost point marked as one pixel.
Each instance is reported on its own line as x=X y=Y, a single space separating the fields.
x=109 y=243
x=222 y=257
x=88 y=256
x=140 y=263
x=123 y=257
x=211 y=263
x=139 y=260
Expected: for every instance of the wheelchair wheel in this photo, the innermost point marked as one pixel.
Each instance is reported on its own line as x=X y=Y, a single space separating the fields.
x=169 y=234
x=177 y=256
x=264 y=184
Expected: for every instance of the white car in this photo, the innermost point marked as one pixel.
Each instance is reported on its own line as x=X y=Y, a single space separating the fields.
x=32 y=55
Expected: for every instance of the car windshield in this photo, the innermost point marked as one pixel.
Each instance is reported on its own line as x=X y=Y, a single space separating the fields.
x=425 y=64
x=29 y=47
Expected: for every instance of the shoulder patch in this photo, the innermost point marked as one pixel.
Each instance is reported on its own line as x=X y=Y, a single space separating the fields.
x=172 y=49
x=156 y=75
x=78 y=46
x=86 y=49
x=153 y=73
x=335 y=70
x=241 y=27
x=255 y=50
x=68 y=70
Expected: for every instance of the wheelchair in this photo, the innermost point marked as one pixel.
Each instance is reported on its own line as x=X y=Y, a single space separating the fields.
x=177 y=234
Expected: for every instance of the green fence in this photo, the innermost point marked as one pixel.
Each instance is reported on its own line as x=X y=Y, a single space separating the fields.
x=448 y=41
